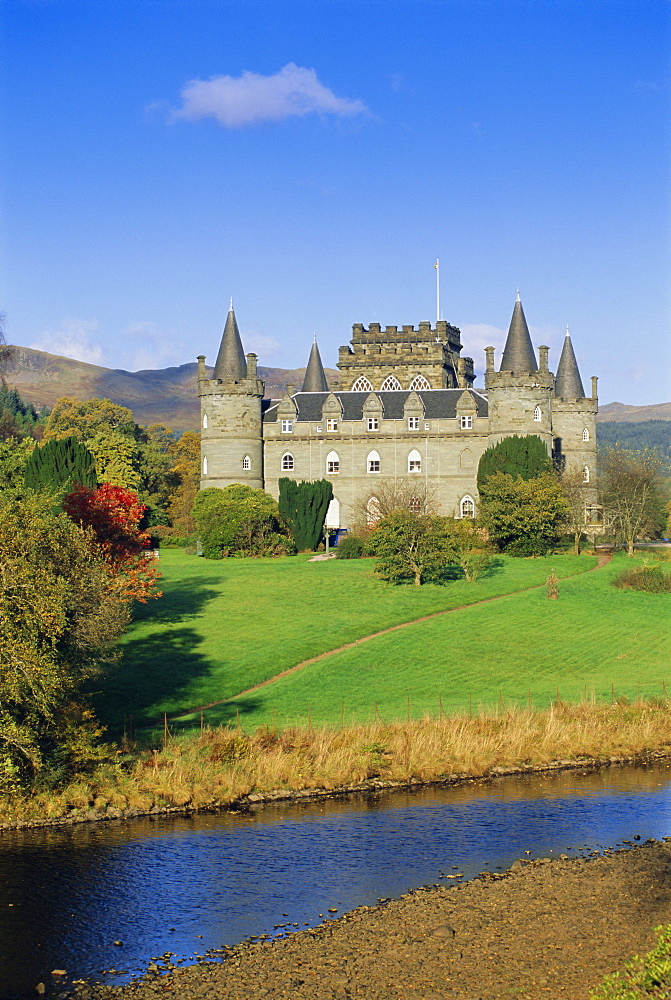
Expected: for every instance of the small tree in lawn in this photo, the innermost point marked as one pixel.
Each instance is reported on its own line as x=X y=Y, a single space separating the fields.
x=239 y=521
x=526 y=457
x=411 y=547
x=633 y=492
x=469 y=545
x=303 y=507
x=573 y=490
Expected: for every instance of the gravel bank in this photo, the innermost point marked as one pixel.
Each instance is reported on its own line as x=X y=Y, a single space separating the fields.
x=544 y=929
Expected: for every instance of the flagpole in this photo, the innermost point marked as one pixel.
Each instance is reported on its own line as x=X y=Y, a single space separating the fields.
x=437 y=267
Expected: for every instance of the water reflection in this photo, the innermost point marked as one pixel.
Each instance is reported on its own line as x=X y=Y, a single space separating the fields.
x=188 y=884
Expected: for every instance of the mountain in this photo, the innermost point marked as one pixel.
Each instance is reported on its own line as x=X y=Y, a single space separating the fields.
x=166 y=395
x=169 y=395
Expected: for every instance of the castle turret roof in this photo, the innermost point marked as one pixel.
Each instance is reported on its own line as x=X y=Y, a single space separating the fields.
x=518 y=354
x=568 y=383
x=231 y=362
x=315 y=379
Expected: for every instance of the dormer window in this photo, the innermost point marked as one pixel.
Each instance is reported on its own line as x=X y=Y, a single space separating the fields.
x=287 y=426
x=373 y=424
x=413 y=423
x=332 y=424
x=466 y=423
x=537 y=413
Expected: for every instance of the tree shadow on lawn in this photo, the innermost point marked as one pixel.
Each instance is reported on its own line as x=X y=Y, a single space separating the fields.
x=229 y=713
x=451 y=573
x=158 y=668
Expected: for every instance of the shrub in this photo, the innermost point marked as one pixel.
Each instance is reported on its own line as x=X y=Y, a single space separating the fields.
x=649 y=579
x=351 y=547
x=647 y=976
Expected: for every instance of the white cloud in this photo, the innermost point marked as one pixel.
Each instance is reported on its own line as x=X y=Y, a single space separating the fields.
x=72 y=340
x=476 y=336
x=151 y=347
x=251 y=98
x=267 y=348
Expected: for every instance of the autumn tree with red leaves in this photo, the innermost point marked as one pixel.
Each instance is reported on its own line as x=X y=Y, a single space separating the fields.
x=114 y=515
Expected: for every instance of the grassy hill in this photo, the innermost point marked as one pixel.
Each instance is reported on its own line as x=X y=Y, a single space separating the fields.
x=168 y=395
x=221 y=628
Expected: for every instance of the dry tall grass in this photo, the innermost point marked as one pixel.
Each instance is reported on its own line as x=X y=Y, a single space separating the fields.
x=219 y=766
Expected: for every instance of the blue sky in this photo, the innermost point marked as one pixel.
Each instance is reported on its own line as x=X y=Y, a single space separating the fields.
x=312 y=159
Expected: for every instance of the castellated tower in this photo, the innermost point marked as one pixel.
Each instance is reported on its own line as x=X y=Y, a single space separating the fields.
x=231 y=448
x=520 y=393
x=574 y=421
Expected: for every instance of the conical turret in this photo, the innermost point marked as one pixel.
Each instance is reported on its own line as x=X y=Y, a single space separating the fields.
x=231 y=363
x=568 y=384
x=315 y=379
x=518 y=354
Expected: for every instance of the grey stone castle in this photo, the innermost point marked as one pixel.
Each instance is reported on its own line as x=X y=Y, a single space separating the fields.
x=405 y=407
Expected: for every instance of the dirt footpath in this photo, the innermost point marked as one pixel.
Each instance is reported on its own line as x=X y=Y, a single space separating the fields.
x=545 y=929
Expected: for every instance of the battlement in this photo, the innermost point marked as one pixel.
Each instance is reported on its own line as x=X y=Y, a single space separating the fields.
x=443 y=332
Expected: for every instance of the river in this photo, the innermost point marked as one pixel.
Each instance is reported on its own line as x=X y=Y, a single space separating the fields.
x=188 y=884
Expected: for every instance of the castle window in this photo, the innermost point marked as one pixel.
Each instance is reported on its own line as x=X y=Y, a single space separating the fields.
x=390 y=384
x=246 y=463
x=467 y=507
x=373 y=462
x=332 y=463
x=204 y=466
x=287 y=426
x=413 y=423
x=373 y=512
x=373 y=424
x=415 y=505
x=585 y=474
x=332 y=424
x=287 y=462
x=537 y=413
x=585 y=435
x=419 y=382
x=362 y=385
x=466 y=423
x=205 y=421
x=414 y=461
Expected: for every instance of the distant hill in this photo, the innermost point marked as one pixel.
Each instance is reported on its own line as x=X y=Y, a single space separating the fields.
x=169 y=395
x=166 y=395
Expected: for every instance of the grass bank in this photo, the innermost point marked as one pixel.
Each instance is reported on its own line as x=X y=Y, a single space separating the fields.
x=223 y=626
x=218 y=767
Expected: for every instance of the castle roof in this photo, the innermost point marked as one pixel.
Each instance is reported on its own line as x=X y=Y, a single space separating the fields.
x=518 y=354
x=437 y=403
x=315 y=379
x=568 y=383
x=231 y=361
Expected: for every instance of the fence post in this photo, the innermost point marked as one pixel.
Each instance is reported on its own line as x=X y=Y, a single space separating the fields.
x=165 y=730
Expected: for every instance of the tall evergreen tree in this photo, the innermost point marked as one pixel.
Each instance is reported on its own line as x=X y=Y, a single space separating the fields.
x=523 y=457
x=60 y=465
x=303 y=506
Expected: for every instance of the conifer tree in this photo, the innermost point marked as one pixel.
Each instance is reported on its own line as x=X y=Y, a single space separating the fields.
x=59 y=465
x=523 y=457
x=303 y=507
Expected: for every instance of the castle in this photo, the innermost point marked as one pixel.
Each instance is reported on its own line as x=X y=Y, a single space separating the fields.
x=403 y=408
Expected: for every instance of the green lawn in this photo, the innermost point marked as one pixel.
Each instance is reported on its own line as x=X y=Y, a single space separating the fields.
x=223 y=626
x=594 y=640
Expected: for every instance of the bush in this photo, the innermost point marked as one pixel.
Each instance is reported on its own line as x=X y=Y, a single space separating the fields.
x=647 y=976
x=351 y=547
x=649 y=579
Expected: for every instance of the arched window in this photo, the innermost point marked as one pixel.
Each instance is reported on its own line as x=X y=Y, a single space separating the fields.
x=246 y=463
x=287 y=462
x=333 y=514
x=415 y=505
x=537 y=413
x=205 y=421
x=373 y=512
x=373 y=462
x=419 y=382
x=467 y=507
x=391 y=383
x=362 y=385
x=585 y=435
x=204 y=466
x=332 y=463
x=414 y=461
x=466 y=460
x=585 y=474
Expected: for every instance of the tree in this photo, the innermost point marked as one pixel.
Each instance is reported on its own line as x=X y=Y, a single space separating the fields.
x=114 y=515
x=526 y=457
x=633 y=492
x=57 y=465
x=185 y=480
x=411 y=546
x=469 y=547
x=407 y=493
x=59 y=622
x=523 y=516
x=573 y=490
x=109 y=432
x=238 y=521
x=303 y=507
x=13 y=457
